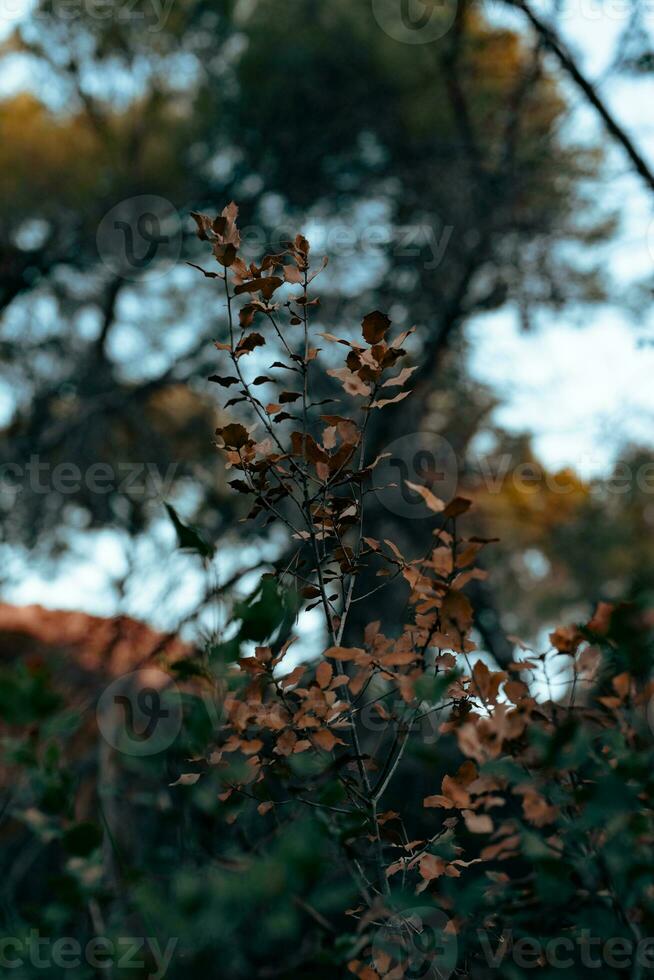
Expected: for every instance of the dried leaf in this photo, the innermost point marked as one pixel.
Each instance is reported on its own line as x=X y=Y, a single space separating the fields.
x=234 y=435
x=457 y=506
x=344 y=653
x=292 y=274
x=400 y=378
x=438 y=801
x=374 y=326
x=390 y=401
x=478 y=823
x=326 y=740
x=186 y=779
x=434 y=503
x=431 y=867
x=248 y=343
x=324 y=674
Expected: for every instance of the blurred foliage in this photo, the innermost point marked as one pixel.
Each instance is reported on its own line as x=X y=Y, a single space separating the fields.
x=214 y=881
x=309 y=110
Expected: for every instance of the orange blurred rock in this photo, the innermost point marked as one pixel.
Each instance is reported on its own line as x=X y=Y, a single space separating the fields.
x=79 y=646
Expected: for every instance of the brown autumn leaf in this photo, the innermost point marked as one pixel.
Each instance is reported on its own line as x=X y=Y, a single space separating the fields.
x=203 y=223
x=248 y=343
x=535 y=807
x=333 y=339
x=295 y=675
x=440 y=801
x=326 y=740
x=186 y=779
x=399 y=658
x=455 y=791
x=382 y=402
x=487 y=682
x=293 y=275
x=352 y=384
x=400 y=378
x=224 y=226
x=286 y=743
x=507 y=848
x=374 y=326
x=225 y=253
x=345 y=653
x=466 y=773
x=324 y=674
x=601 y=620
x=431 y=867
x=456 y=611
x=457 y=506
x=516 y=690
x=266 y=285
x=329 y=437
x=566 y=639
x=234 y=435
x=304 y=445
x=251 y=747
x=478 y=823
x=246 y=316
x=434 y=503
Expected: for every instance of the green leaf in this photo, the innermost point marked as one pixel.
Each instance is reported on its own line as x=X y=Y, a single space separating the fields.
x=188 y=537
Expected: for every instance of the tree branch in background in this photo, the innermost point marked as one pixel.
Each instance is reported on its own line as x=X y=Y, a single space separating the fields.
x=555 y=44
